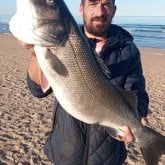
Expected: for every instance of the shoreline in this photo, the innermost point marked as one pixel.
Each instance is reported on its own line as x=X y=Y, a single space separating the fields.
x=25 y=120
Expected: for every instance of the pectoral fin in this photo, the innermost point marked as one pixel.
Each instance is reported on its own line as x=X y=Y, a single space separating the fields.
x=49 y=62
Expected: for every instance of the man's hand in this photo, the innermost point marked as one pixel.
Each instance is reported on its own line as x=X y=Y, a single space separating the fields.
x=34 y=70
x=128 y=136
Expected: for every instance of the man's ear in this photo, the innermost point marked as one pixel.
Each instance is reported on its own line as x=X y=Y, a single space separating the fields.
x=114 y=10
x=81 y=9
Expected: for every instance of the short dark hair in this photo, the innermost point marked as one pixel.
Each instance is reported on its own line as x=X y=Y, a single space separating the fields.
x=82 y=1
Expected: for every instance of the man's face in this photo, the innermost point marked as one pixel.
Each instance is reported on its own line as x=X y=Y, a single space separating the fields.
x=97 y=16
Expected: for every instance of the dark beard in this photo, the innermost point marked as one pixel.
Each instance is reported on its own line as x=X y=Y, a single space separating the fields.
x=98 y=30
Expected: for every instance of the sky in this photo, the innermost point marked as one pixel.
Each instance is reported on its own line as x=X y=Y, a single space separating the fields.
x=124 y=7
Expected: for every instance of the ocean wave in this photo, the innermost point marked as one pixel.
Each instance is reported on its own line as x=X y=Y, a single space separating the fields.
x=4 y=27
x=4 y=21
x=7 y=33
x=150 y=36
x=157 y=29
x=148 y=30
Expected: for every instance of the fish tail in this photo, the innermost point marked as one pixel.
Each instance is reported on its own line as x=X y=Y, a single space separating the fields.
x=152 y=145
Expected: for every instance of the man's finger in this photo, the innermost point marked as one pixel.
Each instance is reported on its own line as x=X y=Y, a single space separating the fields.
x=144 y=121
x=129 y=137
x=25 y=45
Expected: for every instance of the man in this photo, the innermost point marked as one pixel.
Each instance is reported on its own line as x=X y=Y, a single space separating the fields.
x=71 y=141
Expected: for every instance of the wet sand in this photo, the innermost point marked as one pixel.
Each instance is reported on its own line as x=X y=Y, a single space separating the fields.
x=25 y=120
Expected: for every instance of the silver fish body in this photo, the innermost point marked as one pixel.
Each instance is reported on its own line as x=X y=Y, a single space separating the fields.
x=70 y=67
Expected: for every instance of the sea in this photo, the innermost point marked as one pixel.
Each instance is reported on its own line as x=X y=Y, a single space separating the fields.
x=147 y=31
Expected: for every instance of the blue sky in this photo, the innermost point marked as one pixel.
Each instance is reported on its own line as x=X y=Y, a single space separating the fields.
x=124 y=7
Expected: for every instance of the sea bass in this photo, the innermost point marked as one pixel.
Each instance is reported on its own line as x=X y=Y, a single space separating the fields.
x=73 y=73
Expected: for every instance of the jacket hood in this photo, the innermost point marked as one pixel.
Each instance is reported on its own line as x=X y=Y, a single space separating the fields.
x=118 y=36
x=116 y=30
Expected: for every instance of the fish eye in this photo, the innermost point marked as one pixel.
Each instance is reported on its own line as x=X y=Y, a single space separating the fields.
x=50 y=2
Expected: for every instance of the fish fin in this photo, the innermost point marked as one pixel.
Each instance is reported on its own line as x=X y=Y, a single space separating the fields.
x=130 y=98
x=56 y=64
x=152 y=145
x=49 y=61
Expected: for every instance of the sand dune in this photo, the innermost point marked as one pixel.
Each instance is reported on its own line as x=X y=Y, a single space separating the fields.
x=25 y=121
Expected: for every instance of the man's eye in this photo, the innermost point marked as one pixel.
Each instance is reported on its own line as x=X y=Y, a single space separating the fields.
x=94 y=2
x=108 y=4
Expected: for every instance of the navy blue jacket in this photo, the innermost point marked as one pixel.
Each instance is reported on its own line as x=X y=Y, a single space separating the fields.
x=73 y=142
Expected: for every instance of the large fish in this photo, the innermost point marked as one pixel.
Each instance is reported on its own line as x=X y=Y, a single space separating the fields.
x=71 y=69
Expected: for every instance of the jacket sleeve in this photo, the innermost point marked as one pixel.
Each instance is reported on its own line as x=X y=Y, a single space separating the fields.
x=36 y=90
x=135 y=81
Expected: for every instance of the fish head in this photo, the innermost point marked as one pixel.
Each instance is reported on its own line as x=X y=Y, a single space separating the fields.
x=44 y=9
x=39 y=22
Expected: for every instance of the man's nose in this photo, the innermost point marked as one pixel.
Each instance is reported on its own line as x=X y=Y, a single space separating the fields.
x=100 y=9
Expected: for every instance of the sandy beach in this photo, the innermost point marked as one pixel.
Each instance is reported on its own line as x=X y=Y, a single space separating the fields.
x=25 y=121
